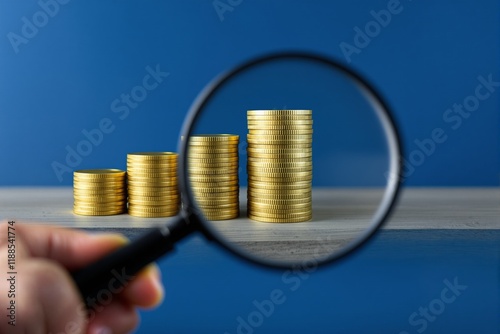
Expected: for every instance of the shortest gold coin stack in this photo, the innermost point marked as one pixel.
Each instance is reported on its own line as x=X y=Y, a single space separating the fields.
x=152 y=184
x=99 y=192
x=213 y=172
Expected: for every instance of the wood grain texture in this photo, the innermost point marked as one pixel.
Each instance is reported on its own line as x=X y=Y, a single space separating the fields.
x=339 y=216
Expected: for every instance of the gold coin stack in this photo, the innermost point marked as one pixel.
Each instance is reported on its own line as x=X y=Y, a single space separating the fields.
x=99 y=192
x=279 y=165
x=152 y=184
x=213 y=172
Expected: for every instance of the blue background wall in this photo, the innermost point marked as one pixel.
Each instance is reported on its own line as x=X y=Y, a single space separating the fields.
x=63 y=77
x=66 y=76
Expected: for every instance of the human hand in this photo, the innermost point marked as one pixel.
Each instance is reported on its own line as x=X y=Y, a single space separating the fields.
x=46 y=298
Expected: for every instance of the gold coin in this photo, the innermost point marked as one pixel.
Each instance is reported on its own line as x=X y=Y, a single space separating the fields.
x=199 y=191
x=139 y=212
x=216 y=184
x=153 y=183
x=216 y=200
x=151 y=208
x=280 y=175
x=281 y=124
x=278 y=215
x=278 y=193
x=227 y=166
x=166 y=166
x=149 y=175
x=210 y=155
x=92 y=193
x=221 y=171
x=98 y=213
x=281 y=145
x=255 y=195
x=251 y=160
x=278 y=220
x=212 y=163
x=99 y=173
x=276 y=171
x=212 y=178
x=152 y=156
x=213 y=149
x=221 y=137
x=216 y=212
x=213 y=159
x=215 y=196
x=155 y=201
x=266 y=207
x=278 y=132
x=152 y=162
x=279 y=112
x=222 y=205
x=84 y=212
x=275 y=139
x=153 y=192
x=278 y=155
x=283 y=186
x=99 y=182
x=216 y=217
x=281 y=195
x=85 y=188
x=280 y=165
x=100 y=205
x=153 y=176
x=172 y=198
x=277 y=201
x=278 y=117
x=98 y=185
x=100 y=198
x=208 y=196
x=278 y=150
x=252 y=178
x=301 y=124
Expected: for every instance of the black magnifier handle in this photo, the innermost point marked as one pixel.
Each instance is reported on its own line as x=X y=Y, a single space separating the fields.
x=110 y=274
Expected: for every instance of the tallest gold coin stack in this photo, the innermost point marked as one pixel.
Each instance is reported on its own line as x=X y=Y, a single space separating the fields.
x=279 y=165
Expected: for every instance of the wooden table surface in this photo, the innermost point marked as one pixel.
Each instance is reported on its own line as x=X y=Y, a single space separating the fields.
x=338 y=216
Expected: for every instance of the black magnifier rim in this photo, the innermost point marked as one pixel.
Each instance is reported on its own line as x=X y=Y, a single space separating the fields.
x=392 y=135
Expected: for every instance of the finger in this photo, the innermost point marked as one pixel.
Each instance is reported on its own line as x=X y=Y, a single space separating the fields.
x=73 y=249
x=146 y=290
x=115 y=318
x=50 y=300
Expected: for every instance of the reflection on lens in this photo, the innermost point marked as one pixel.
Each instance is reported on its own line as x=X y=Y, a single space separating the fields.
x=330 y=181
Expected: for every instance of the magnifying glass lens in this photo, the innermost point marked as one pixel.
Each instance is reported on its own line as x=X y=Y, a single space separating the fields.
x=288 y=160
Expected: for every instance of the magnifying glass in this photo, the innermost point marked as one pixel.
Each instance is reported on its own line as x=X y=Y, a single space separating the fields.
x=290 y=160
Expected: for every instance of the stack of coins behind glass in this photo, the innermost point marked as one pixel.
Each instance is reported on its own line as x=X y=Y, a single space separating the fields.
x=213 y=172
x=99 y=192
x=152 y=184
x=279 y=165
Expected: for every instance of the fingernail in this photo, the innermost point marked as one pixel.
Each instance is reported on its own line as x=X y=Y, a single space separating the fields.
x=103 y=330
x=120 y=239
x=154 y=271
